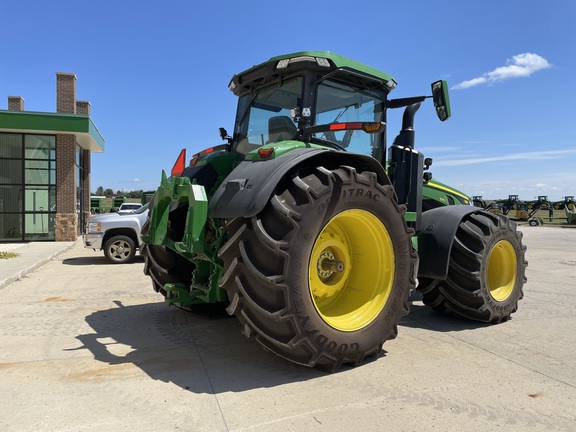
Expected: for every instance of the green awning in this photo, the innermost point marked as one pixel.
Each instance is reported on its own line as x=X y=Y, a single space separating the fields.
x=80 y=125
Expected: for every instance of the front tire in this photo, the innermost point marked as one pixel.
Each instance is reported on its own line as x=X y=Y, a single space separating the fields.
x=119 y=249
x=322 y=275
x=486 y=273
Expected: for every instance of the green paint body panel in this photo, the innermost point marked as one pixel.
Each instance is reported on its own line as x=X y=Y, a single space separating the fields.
x=338 y=60
x=222 y=161
x=280 y=149
x=438 y=191
x=410 y=216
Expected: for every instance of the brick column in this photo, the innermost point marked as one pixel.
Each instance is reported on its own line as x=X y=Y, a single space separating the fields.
x=65 y=92
x=83 y=107
x=66 y=217
x=15 y=103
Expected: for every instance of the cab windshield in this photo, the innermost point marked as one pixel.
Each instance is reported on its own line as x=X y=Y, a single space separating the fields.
x=339 y=103
x=264 y=117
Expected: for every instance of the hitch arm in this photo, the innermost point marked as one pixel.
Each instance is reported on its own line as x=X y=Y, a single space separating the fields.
x=179 y=190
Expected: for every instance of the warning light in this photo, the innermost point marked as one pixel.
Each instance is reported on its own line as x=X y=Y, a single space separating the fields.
x=372 y=127
x=368 y=127
x=345 y=126
x=265 y=153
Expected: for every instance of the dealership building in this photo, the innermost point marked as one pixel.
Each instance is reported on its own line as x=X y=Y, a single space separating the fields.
x=45 y=167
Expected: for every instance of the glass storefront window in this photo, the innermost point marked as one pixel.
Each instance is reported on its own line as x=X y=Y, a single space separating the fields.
x=10 y=171
x=11 y=227
x=40 y=199
x=10 y=146
x=10 y=199
x=27 y=187
x=40 y=147
x=37 y=172
x=39 y=227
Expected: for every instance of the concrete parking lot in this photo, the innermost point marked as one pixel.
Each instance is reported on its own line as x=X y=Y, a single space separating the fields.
x=88 y=346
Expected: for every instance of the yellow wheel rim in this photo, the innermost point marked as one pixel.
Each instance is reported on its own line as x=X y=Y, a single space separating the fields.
x=501 y=270
x=351 y=270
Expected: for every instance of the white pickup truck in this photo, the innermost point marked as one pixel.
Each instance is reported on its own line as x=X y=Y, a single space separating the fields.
x=117 y=234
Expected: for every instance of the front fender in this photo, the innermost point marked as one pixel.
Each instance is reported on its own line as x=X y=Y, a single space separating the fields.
x=439 y=228
x=247 y=189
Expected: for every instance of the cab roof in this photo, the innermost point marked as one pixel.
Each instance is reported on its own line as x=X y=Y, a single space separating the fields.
x=319 y=60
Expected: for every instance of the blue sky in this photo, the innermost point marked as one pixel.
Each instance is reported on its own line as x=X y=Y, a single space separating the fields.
x=156 y=74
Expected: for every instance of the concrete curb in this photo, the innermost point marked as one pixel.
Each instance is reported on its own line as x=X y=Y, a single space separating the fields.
x=32 y=257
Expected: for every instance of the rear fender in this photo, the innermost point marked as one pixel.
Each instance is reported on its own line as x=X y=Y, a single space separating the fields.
x=247 y=189
x=439 y=228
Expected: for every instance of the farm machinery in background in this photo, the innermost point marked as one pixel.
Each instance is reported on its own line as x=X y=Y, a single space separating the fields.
x=527 y=210
x=569 y=206
x=97 y=204
x=117 y=201
x=313 y=233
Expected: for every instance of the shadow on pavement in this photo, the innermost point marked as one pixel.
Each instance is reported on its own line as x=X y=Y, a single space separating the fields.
x=205 y=352
x=98 y=260
x=425 y=317
x=200 y=353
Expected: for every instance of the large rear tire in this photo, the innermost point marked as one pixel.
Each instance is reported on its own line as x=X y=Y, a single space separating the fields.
x=321 y=276
x=486 y=273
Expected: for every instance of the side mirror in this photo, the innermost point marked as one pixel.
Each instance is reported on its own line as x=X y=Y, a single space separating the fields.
x=224 y=135
x=441 y=99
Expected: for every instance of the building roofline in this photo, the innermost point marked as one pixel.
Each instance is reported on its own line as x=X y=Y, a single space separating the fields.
x=80 y=125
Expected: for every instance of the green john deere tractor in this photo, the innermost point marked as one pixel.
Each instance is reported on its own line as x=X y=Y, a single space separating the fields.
x=312 y=234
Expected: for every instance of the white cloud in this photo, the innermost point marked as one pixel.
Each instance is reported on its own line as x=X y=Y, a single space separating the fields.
x=471 y=83
x=521 y=65
x=538 y=155
x=136 y=180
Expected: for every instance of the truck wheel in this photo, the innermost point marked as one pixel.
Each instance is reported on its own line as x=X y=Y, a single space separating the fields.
x=486 y=273
x=119 y=249
x=322 y=275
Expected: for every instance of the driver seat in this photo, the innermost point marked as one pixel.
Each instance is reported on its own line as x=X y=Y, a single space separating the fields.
x=281 y=128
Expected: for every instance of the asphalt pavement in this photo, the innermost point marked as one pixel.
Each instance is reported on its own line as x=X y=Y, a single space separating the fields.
x=89 y=346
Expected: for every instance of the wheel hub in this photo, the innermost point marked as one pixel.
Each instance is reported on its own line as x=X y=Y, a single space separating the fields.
x=119 y=249
x=331 y=264
x=328 y=264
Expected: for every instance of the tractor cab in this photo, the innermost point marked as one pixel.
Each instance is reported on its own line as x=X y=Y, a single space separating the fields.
x=283 y=99
x=316 y=99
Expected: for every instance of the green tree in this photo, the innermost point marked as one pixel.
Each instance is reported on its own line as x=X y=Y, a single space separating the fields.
x=108 y=192
x=100 y=191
